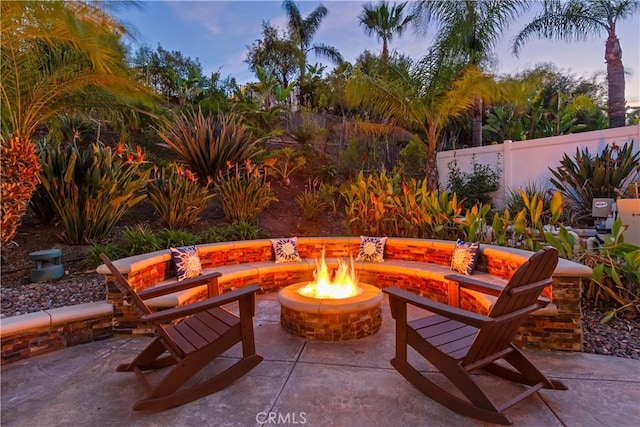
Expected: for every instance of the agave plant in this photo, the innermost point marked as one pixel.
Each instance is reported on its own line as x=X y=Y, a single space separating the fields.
x=585 y=176
x=207 y=144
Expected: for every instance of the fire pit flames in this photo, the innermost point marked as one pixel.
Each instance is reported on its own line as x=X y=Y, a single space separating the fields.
x=333 y=307
x=344 y=283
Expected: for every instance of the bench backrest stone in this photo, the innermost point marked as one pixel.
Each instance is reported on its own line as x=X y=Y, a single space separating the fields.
x=561 y=331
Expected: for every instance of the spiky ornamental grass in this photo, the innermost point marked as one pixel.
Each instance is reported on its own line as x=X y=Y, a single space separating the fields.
x=244 y=193
x=91 y=189
x=177 y=196
x=208 y=143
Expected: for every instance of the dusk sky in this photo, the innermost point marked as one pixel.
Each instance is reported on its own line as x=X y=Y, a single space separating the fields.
x=218 y=33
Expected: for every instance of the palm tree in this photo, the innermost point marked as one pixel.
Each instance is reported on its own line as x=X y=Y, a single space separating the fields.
x=469 y=29
x=302 y=32
x=579 y=19
x=56 y=57
x=384 y=22
x=59 y=57
x=421 y=98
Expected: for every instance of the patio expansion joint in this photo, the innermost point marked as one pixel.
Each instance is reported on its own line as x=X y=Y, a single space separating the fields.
x=286 y=381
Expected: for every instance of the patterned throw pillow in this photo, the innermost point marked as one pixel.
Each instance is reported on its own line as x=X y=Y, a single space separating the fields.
x=187 y=262
x=465 y=257
x=286 y=249
x=371 y=249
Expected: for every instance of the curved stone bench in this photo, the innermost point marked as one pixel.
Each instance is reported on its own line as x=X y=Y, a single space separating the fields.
x=419 y=265
x=48 y=330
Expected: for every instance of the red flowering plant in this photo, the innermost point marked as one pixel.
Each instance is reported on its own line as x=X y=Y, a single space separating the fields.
x=90 y=189
x=244 y=192
x=177 y=195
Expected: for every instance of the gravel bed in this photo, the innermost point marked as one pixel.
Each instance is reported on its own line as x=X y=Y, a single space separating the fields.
x=70 y=290
x=620 y=337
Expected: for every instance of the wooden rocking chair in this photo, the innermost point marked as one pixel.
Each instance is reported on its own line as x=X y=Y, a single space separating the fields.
x=203 y=331
x=458 y=342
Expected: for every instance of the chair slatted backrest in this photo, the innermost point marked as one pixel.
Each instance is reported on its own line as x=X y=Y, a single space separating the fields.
x=518 y=299
x=138 y=303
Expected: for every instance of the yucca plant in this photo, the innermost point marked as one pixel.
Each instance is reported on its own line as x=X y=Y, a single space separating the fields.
x=19 y=166
x=244 y=193
x=208 y=144
x=177 y=196
x=91 y=189
x=584 y=177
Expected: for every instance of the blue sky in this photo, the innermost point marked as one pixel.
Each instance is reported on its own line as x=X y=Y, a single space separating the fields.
x=219 y=32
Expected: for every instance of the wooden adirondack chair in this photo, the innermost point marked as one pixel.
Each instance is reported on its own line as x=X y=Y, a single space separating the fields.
x=203 y=331
x=458 y=342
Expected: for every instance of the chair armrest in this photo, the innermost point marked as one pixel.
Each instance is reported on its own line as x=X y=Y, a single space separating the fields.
x=185 y=310
x=454 y=313
x=178 y=286
x=475 y=284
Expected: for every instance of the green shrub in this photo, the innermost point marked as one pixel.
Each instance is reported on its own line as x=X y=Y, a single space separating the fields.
x=414 y=158
x=140 y=240
x=584 y=177
x=177 y=196
x=244 y=194
x=208 y=144
x=242 y=231
x=91 y=189
x=366 y=155
x=175 y=238
x=616 y=275
x=92 y=258
x=475 y=187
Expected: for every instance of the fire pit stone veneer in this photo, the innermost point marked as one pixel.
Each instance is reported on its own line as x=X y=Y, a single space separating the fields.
x=331 y=319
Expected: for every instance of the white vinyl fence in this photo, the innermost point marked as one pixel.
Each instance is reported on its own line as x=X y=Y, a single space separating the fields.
x=524 y=162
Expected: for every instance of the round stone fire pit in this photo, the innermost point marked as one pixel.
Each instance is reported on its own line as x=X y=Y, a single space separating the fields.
x=331 y=319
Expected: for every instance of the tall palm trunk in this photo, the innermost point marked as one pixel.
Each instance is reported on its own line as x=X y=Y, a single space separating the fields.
x=615 y=81
x=385 y=50
x=477 y=122
x=431 y=171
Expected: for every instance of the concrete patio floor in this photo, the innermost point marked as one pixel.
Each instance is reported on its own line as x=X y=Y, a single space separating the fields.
x=306 y=383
